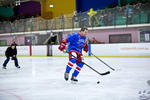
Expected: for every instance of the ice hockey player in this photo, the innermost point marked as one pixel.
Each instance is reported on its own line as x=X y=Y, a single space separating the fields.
x=76 y=43
x=11 y=53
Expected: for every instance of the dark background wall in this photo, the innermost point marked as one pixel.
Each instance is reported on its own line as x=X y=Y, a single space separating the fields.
x=6 y=11
x=29 y=8
x=85 y=5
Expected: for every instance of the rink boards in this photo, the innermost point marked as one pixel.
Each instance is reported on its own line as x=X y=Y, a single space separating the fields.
x=109 y=50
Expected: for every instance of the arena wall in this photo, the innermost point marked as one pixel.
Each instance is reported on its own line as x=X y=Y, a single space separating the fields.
x=114 y=50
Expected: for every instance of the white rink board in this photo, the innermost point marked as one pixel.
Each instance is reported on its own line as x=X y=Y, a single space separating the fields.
x=23 y=50
x=2 y=50
x=126 y=49
x=39 y=50
x=57 y=52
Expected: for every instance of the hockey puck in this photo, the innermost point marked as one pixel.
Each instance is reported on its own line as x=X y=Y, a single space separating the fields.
x=98 y=82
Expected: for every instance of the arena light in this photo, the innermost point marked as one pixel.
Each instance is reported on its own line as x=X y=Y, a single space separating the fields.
x=18 y=3
x=51 y=6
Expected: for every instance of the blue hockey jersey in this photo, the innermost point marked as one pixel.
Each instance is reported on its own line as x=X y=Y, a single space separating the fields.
x=76 y=42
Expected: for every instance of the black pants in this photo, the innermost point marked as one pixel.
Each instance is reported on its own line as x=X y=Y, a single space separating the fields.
x=7 y=60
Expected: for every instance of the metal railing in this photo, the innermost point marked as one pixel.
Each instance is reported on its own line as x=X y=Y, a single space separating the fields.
x=126 y=15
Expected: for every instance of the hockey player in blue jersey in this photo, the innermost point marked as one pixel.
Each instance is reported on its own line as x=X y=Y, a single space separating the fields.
x=76 y=43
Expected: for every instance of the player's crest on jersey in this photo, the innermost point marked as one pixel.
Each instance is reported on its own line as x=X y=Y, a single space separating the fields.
x=81 y=40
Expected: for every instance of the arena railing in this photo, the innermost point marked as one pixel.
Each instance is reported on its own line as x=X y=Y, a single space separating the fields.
x=126 y=15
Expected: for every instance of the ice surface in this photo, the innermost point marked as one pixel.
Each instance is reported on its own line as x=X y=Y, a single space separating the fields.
x=41 y=78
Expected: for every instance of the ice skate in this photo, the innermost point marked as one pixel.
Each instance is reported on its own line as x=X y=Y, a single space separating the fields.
x=73 y=79
x=18 y=66
x=4 y=67
x=66 y=76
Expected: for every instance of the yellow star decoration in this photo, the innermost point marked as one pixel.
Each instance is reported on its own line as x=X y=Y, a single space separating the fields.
x=91 y=14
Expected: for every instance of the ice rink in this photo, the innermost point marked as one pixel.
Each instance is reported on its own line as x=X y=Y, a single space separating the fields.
x=41 y=78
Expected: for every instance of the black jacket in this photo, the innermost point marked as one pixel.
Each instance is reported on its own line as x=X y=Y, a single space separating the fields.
x=10 y=52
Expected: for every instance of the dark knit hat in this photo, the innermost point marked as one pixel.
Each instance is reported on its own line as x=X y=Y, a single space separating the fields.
x=13 y=44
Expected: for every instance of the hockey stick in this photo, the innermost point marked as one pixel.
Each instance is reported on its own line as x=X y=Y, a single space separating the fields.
x=103 y=62
x=108 y=72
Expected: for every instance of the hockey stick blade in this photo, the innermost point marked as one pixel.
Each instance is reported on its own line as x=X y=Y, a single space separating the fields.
x=108 y=72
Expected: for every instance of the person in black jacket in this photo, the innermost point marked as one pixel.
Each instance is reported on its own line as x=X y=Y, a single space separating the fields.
x=11 y=53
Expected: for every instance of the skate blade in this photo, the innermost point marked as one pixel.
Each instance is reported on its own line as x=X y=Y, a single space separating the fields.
x=74 y=82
